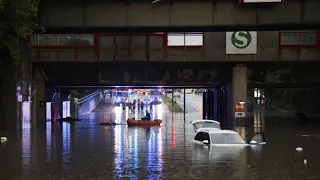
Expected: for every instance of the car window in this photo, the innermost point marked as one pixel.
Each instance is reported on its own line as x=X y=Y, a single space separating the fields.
x=199 y=137
x=225 y=138
x=259 y=138
x=206 y=136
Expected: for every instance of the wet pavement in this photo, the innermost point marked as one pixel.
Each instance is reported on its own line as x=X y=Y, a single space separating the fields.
x=193 y=102
x=85 y=150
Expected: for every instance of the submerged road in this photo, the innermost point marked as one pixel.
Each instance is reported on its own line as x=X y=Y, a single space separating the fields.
x=193 y=102
x=86 y=151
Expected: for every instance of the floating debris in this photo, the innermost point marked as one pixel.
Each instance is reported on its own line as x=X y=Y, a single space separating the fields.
x=3 y=139
x=305 y=162
x=299 y=149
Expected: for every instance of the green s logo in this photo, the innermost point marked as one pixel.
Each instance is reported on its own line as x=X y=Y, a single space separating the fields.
x=241 y=39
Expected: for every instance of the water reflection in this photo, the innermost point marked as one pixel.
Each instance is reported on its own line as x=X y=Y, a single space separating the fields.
x=48 y=141
x=128 y=148
x=259 y=121
x=134 y=154
x=26 y=113
x=66 y=149
x=173 y=128
x=155 y=154
x=120 y=141
x=26 y=144
x=122 y=152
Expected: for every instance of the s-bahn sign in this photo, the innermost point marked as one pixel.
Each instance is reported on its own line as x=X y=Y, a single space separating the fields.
x=241 y=42
x=258 y=1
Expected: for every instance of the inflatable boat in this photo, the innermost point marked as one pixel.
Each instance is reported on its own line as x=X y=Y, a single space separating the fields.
x=134 y=122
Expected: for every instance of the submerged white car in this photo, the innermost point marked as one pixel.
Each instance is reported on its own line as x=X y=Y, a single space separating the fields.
x=208 y=132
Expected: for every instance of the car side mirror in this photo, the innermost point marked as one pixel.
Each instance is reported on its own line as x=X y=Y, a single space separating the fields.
x=253 y=142
x=206 y=142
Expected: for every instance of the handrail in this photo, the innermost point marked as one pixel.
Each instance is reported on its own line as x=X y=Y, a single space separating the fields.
x=89 y=103
x=88 y=97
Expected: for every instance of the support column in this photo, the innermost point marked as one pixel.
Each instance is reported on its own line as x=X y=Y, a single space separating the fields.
x=210 y=103
x=56 y=106
x=39 y=100
x=10 y=107
x=205 y=105
x=239 y=87
x=216 y=104
x=184 y=104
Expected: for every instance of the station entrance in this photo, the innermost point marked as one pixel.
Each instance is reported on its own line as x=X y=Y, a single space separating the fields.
x=204 y=103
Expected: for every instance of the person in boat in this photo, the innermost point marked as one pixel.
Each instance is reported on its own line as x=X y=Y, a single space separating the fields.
x=148 y=117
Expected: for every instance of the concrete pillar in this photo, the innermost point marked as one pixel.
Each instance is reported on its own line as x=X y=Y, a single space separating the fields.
x=39 y=100
x=239 y=86
x=10 y=109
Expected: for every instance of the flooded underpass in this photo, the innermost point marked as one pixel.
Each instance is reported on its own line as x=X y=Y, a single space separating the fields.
x=86 y=150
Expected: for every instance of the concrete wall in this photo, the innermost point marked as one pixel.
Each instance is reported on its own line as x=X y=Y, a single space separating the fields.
x=152 y=48
x=112 y=14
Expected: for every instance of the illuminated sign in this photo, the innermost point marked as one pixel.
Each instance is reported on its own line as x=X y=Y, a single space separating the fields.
x=259 y=1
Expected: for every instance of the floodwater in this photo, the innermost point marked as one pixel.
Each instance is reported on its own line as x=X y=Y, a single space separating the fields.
x=86 y=150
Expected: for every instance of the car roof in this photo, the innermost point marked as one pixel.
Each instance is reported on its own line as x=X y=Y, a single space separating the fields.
x=223 y=132
x=208 y=130
x=216 y=131
x=205 y=120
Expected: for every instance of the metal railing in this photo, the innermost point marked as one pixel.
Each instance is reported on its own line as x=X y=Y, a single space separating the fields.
x=88 y=103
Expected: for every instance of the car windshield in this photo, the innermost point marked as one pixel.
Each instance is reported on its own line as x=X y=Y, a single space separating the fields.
x=226 y=138
x=206 y=124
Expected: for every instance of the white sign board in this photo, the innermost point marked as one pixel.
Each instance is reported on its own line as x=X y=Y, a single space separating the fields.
x=239 y=114
x=260 y=1
x=240 y=110
x=241 y=42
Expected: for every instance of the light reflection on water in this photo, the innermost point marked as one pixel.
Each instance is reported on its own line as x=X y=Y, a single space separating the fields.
x=66 y=149
x=26 y=144
x=48 y=141
x=121 y=152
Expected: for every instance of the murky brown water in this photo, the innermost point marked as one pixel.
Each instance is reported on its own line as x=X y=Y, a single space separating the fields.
x=85 y=150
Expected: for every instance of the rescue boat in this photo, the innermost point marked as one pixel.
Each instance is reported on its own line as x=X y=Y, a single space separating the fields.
x=134 y=122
